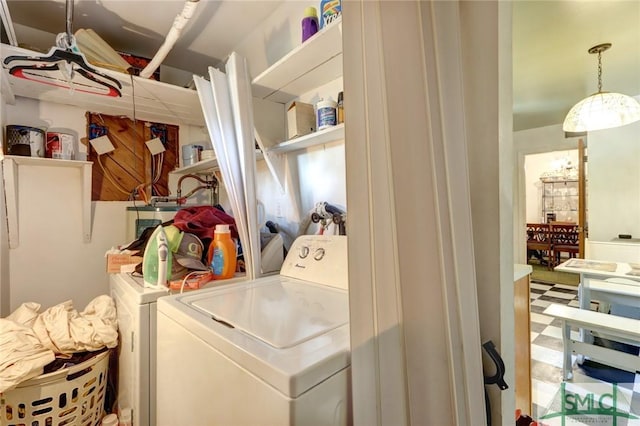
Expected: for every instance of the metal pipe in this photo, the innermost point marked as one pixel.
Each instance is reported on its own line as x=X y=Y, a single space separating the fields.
x=69 y=22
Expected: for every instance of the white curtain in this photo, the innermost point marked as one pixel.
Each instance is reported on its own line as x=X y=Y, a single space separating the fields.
x=228 y=110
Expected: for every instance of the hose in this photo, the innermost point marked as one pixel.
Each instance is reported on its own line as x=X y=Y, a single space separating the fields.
x=179 y=23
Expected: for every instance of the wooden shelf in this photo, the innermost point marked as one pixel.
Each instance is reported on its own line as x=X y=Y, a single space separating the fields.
x=315 y=62
x=321 y=137
x=151 y=100
x=12 y=164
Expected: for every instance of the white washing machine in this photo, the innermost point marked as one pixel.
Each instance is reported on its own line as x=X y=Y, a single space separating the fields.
x=273 y=351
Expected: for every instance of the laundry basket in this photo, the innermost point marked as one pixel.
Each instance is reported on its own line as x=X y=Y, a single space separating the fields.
x=72 y=396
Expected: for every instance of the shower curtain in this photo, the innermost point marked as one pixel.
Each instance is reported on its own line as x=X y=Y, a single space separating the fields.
x=227 y=105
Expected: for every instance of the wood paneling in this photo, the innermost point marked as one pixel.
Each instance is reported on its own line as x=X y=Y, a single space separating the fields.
x=117 y=174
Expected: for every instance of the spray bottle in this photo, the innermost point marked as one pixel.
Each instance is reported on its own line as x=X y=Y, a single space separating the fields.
x=222 y=253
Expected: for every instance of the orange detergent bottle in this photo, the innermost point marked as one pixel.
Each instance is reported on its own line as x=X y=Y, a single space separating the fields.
x=222 y=254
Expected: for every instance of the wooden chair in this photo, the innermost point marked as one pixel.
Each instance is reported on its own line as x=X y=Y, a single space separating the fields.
x=565 y=239
x=539 y=239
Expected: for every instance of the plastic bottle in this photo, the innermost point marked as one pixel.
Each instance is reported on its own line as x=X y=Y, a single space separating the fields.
x=125 y=417
x=109 y=420
x=309 y=23
x=330 y=10
x=222 y=254
x=326 y=114
x=340 y=108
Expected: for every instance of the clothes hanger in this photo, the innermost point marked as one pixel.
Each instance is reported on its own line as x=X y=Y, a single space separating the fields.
x=61 y=66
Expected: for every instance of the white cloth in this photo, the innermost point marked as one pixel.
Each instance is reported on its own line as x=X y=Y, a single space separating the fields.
x=30 y=340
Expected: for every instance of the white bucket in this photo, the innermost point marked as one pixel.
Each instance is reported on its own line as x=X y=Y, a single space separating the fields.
x=60 y=145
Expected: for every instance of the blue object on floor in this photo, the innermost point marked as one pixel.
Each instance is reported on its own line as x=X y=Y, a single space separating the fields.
x=607 y=373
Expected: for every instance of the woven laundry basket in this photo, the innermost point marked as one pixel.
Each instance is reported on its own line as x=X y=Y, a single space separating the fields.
x=72 y=396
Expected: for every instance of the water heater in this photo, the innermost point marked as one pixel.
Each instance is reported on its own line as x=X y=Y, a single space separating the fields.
x=141 y=217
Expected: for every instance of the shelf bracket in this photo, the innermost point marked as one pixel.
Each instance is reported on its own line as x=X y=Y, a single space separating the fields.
x=10 y=169
x=11 y=166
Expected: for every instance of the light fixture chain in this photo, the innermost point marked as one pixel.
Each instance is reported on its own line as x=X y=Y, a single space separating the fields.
x=599 y=71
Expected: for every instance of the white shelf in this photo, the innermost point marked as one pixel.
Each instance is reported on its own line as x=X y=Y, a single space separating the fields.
x=315 y=62
x=153 y=101
x=12 y=164
x=321 y=137
x=50 y=162
x=205 y=166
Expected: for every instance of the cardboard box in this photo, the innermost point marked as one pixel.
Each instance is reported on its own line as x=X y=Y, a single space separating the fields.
x=301 y=120
x=117 y=263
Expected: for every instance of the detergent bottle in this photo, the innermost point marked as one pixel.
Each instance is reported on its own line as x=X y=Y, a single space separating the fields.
x=330 y=10
x=309 y=23
x=222 y=254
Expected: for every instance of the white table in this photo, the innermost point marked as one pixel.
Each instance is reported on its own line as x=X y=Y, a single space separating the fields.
x=629 y=273
x=607 y=282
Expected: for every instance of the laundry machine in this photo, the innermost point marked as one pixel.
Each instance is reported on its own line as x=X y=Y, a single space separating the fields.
x=136 y=312
x=271 y=351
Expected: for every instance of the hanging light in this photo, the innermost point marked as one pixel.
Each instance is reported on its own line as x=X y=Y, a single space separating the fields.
x=602 y=110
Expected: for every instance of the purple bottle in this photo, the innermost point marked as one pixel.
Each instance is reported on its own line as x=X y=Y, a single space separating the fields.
x=309 y=23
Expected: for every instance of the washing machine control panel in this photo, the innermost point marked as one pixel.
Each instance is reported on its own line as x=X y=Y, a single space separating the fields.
x=320 y=259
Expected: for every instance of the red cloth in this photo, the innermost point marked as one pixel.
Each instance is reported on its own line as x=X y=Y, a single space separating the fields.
x=202 y=220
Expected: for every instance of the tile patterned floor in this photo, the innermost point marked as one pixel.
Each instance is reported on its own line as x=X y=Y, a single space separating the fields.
x=546 y=356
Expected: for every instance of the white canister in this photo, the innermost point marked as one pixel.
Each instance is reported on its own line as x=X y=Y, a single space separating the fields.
x=60 y=145
x=326 y=114
x=190 y=154
x=25 y=140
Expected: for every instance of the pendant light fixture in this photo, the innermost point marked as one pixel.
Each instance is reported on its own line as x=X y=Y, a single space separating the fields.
x=602 y=110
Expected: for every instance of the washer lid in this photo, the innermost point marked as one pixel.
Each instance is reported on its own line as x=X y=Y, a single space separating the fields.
x=282 y=312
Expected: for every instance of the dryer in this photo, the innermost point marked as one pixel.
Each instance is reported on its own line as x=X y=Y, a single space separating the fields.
x=272 y=351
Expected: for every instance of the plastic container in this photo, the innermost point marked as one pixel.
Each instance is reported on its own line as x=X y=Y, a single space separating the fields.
x=109 y=420
x=309 y=23
x=222 y=254
x=326 y=114
x=330 y=10
x=125 y=417
x=340 y=108
x=25 y=140
x=60 y=145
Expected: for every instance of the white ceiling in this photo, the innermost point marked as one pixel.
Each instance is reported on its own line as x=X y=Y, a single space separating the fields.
x=551 y=67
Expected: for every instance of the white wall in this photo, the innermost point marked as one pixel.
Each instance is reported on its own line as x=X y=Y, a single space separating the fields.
x=614 y=183
x=52 y=263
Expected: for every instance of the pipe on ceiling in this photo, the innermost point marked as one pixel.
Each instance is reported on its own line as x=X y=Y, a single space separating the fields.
x=179 y=23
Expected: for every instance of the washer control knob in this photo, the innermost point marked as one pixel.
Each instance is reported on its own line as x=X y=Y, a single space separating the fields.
x=304 y=252
x=319 y=254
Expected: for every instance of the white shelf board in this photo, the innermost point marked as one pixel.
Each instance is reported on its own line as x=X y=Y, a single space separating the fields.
x=316 y=61
x=51 y=162
x=321 y=137
x=151 y=100
x=205 y=166
x=12 y=164
x=202 y=166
